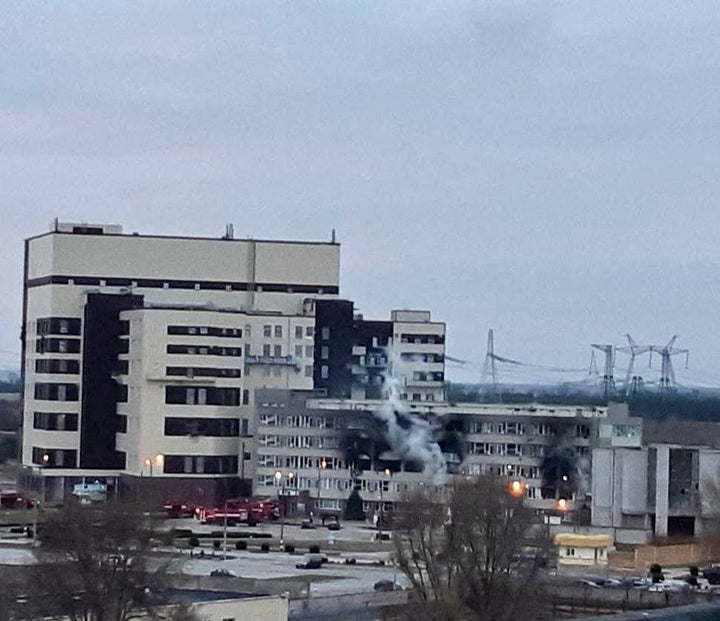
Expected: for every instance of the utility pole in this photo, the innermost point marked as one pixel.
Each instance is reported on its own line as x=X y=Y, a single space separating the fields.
x=667 y=373
x=608 y=381
x=633 y=350
x=490 y=365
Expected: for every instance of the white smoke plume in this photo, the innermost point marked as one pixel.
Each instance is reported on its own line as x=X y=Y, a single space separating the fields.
x=416 y=441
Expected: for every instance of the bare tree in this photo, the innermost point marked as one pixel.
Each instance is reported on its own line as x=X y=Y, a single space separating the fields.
x=94 y=562
x=475 y=555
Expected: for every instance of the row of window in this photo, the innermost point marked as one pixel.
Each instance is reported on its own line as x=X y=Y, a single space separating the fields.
x=428 y=376
x=200 y=464
x=430 y=358
x=519 y=450
x=202 y=372
x=299 y=420
x=196 y=395
x=54 y=458
x=206 y=331
x=322 y=442
x=521 y=429
x=431 y=339
x=193 y=350
x=214 y=427
x=55 y=421
x=306 y=351
x=294 y=462
x=53 y=345
x=60 y=366
x=155 y=283
x=58 y=325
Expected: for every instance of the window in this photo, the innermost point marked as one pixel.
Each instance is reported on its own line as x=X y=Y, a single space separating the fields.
x=56 y=392
x=308 y=371
x=245 y=397
x=298 y=351
x=215 y=427
x=200 y=464
x=278 y=331
x=55 y=421
x=58 y=325
x=309 y=351
x=183 y=395
x=310 y=331
x=267 y=331
x=298 y=332
x=277 y=351
x=324 y=371
x=266 y=350
x=325 y=333
x=324 y=352
x=62 y=365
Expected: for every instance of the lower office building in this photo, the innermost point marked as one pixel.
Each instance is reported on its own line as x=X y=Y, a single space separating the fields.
x=318 y=449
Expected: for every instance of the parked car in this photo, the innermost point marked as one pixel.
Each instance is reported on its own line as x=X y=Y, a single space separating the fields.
x=712 y=574
x=385 y=585
x=588 y=583
x=307 y=524
x=334 y=525
x=311 y=561
x=222 y=573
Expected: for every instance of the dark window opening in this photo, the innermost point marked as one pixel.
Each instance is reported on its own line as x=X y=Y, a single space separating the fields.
x=55 y=421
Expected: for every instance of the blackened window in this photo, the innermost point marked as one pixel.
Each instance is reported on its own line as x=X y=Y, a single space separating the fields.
x=55 y=421
x=56 y=392
x=217 y=427
x=122 y=424
x=246 y=397
x=57 y=366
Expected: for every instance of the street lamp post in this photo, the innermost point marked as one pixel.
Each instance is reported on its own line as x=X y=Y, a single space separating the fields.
x=45 y=462
x=386 y=472
x=321 y=466
x=279 y=480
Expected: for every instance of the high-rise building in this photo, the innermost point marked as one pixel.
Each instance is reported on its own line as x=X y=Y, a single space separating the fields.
x=354 y=355
x=141 y=353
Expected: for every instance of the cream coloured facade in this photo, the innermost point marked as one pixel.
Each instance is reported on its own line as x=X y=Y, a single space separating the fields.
x=129 y=341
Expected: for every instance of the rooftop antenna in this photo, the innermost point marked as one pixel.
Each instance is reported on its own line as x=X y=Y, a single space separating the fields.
x=333 y=237
x=229 y=231
x=633 y=349
x=608 y=380
x=667 y=373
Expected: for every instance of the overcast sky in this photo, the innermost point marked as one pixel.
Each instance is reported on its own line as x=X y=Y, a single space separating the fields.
x=547 y=169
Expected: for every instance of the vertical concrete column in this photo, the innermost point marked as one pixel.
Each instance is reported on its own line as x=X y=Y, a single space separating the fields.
x=662 y=491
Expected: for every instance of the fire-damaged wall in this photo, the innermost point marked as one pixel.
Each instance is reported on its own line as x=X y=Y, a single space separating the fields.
x=401 y=441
